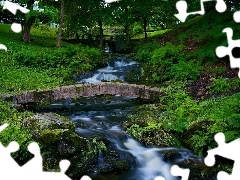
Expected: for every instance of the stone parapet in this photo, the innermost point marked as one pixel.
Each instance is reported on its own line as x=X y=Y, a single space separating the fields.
x=87 y=89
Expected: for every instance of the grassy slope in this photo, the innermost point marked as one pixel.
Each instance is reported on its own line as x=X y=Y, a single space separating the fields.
x=40 y=64
x=14 y=78
x=195 y=121
x=203 y=34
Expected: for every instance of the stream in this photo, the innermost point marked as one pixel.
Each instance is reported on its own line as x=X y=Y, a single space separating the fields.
x=97 y=116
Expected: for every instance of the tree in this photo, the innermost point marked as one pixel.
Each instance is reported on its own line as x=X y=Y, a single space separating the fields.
x=29 y=20
x=122 y=13
x=33 y=15
x=90 y=14
x=59 y=39
x=143 y=11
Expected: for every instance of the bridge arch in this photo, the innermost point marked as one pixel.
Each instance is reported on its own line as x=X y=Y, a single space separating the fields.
x=87 y=89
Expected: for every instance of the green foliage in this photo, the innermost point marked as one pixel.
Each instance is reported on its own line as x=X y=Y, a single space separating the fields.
x=39 y=64
x=144 y=51
x=223 y=85
x=15 y=131
x=138 y=131
x=185 y=70
x=63 y=57
x=16 y=79
x=219 y=85
x=167 y=62
x=137 y=28
x=217 y=71
x=163 y=59
x=194 y=122
x=153 y=35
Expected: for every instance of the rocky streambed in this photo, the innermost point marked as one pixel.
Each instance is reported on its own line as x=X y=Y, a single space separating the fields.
x=88 y=132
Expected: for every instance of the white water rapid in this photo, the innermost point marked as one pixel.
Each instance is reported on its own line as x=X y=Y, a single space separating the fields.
x=114 y=71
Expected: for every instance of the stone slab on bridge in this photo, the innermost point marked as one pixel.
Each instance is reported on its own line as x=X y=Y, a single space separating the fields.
x=87 y=89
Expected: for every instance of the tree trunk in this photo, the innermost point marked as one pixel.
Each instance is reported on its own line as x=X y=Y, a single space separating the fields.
x=100 y=33
x=145 y=27
x=59 y=39
x=27 y=24
x=26 y=30
x=127 y=29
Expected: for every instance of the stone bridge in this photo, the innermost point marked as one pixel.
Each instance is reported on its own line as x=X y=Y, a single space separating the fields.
x=83 y=90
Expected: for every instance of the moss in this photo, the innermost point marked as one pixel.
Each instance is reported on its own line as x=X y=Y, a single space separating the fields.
x=121 y=165
x=49 y=121
x=43 y=97
x=117 y=81
x=49 y=136
x=79 y=89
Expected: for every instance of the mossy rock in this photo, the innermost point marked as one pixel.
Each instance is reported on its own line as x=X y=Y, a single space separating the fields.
x=49 y=121
x=161 y=138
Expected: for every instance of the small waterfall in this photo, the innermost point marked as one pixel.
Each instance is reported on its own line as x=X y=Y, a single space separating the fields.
x=150 y=163
x=100 y=117
x=103 y=118
x=115 y=70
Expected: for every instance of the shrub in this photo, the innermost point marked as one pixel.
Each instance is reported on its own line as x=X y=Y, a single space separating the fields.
x=185 y=70
x=144 y=52
x=15 y=131
x=163 y=59
x=71 y=57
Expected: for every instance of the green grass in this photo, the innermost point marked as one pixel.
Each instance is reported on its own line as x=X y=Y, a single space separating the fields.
x=203 y=34
x=14 y=78
x=40 y=64
x=151 y=34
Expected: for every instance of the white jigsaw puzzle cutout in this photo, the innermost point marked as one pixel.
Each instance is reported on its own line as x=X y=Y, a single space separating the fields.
x=222 y=51
x=227 y=150
x=16 y=27
x=33 y=168
x=182 y=9
x=177 y=171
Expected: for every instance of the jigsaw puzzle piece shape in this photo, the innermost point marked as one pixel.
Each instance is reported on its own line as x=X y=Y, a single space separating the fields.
x=64 y=165
x=34 y=165
x=236 y=16
x=12 y=7
x=223 y=176
x=228 y=150
x=85 y=177
x=7 y=164
x=221 y=6
x=159 y=178
x=222 y=51
x=2 y=127
x=177 y=171
x=182 y=11
x=16 y=27
x=2 y=46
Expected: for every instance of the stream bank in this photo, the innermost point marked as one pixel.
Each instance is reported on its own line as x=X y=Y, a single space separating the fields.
x=106 y=151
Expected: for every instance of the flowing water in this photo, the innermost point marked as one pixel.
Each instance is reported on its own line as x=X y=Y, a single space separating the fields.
x=94 y=116
x=116 y=70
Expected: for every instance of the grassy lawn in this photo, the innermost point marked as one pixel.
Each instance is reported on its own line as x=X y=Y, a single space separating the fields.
x=151 y=34
x=40 y=64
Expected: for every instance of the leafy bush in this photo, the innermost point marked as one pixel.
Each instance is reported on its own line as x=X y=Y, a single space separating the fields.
x=137 y=28
x=218 y=86
x=194 y=123
x=15 y=131
x=223 y=85
x=73 y=59
x=144 y=52
x=163 y=59
x=185 y=70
